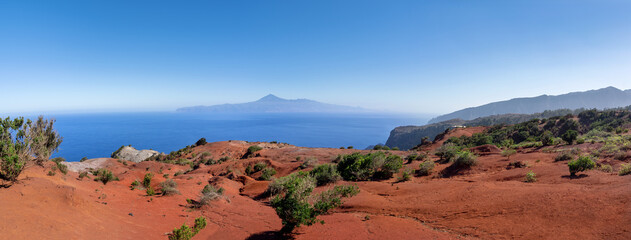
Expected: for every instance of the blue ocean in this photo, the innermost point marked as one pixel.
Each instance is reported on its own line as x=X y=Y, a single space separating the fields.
x=98 y=135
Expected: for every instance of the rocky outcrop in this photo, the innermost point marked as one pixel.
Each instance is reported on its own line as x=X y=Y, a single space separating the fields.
x=90 y=164
x=407 y=137
x=129 y=153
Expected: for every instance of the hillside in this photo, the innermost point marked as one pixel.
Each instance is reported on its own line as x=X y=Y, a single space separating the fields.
x=406 y=137
x=274 y=104
x=609 y=97
x=487 y=201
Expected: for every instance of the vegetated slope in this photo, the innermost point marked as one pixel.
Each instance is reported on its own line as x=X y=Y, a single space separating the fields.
x=407 y=137
x=488 y=200
x=609 y=97
x=271 y=103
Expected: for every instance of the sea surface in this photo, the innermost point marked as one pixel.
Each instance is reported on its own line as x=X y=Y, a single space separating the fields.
x=98 y=135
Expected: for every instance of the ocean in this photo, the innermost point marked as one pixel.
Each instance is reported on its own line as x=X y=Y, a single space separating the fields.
x=98 y=135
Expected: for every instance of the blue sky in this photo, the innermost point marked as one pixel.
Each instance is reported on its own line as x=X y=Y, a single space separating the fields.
x=408 y=56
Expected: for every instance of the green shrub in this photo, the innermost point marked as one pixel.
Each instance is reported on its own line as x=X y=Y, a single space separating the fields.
x=267 y=173
x=201 y=141
x=621 y=156
x=169 y=187
x=625 y=169
x=146 y=181
x=569 y=136
x=309 y=162
x=582 y=163
x=25 y=141
x=395 y=148
x=185 y=232
x=358 y=167
x=547 y=138
x=60 y=166
x=200 y=223
x=82 y=175
x=251 y=150
x=249 y=170
x=606 y=168
x=425 y=168
x=83 y=159
x=210 y=193
x=325 y=174
x=410 y=158
x=104 y=176
x=464 y=159
x=508 y=153
x=135 y=184
x=531 y=177
x=291 y=200
x=150 y=191
x=349 y=147
x=406 y=175
x=391 y=165
x=51 y=173
x=259 y=166
x=564 y=156
x=447 y=152
x=178 y=173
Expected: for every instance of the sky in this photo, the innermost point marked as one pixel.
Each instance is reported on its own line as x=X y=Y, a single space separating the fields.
x=405 y=56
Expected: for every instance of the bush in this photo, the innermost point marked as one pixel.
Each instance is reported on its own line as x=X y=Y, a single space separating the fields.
x=83 y=159
x=185 y=232
x=251 y=150
x=104 y=176
x=425 y=168
x=259 y=166
x=169 y=187
x=447 y=152
x=291 y=200
x=391 y=165
x=625 y=169
x=309 y=162
x=464 y=159
x=135 y=184
x=325 y=174
x=508 y=152
x=582 y=163
x=563 y=157
x=146 y=181
x=410 y=158
x=606 y=168
x=201 y=141
x=82 y=175
x=267 y=173
x=210 y=193
x=358 y=167
x=531 y=177
x=150 y=191
x=406 y=175
x=61 y=167
x=569 y=136
x=547 y=138
x=25 y=141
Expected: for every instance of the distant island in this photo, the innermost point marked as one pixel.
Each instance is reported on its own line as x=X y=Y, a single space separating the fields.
x=274 y=104
x=603 y=98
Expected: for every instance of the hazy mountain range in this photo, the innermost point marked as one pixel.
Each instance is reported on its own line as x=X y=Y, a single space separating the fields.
x=609 y=97
x=274 y=104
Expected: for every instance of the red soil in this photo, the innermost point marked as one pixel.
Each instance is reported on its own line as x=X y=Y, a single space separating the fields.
x=488 y=201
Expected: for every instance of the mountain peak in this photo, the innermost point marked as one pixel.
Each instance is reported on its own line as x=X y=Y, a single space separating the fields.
x=270 y=97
